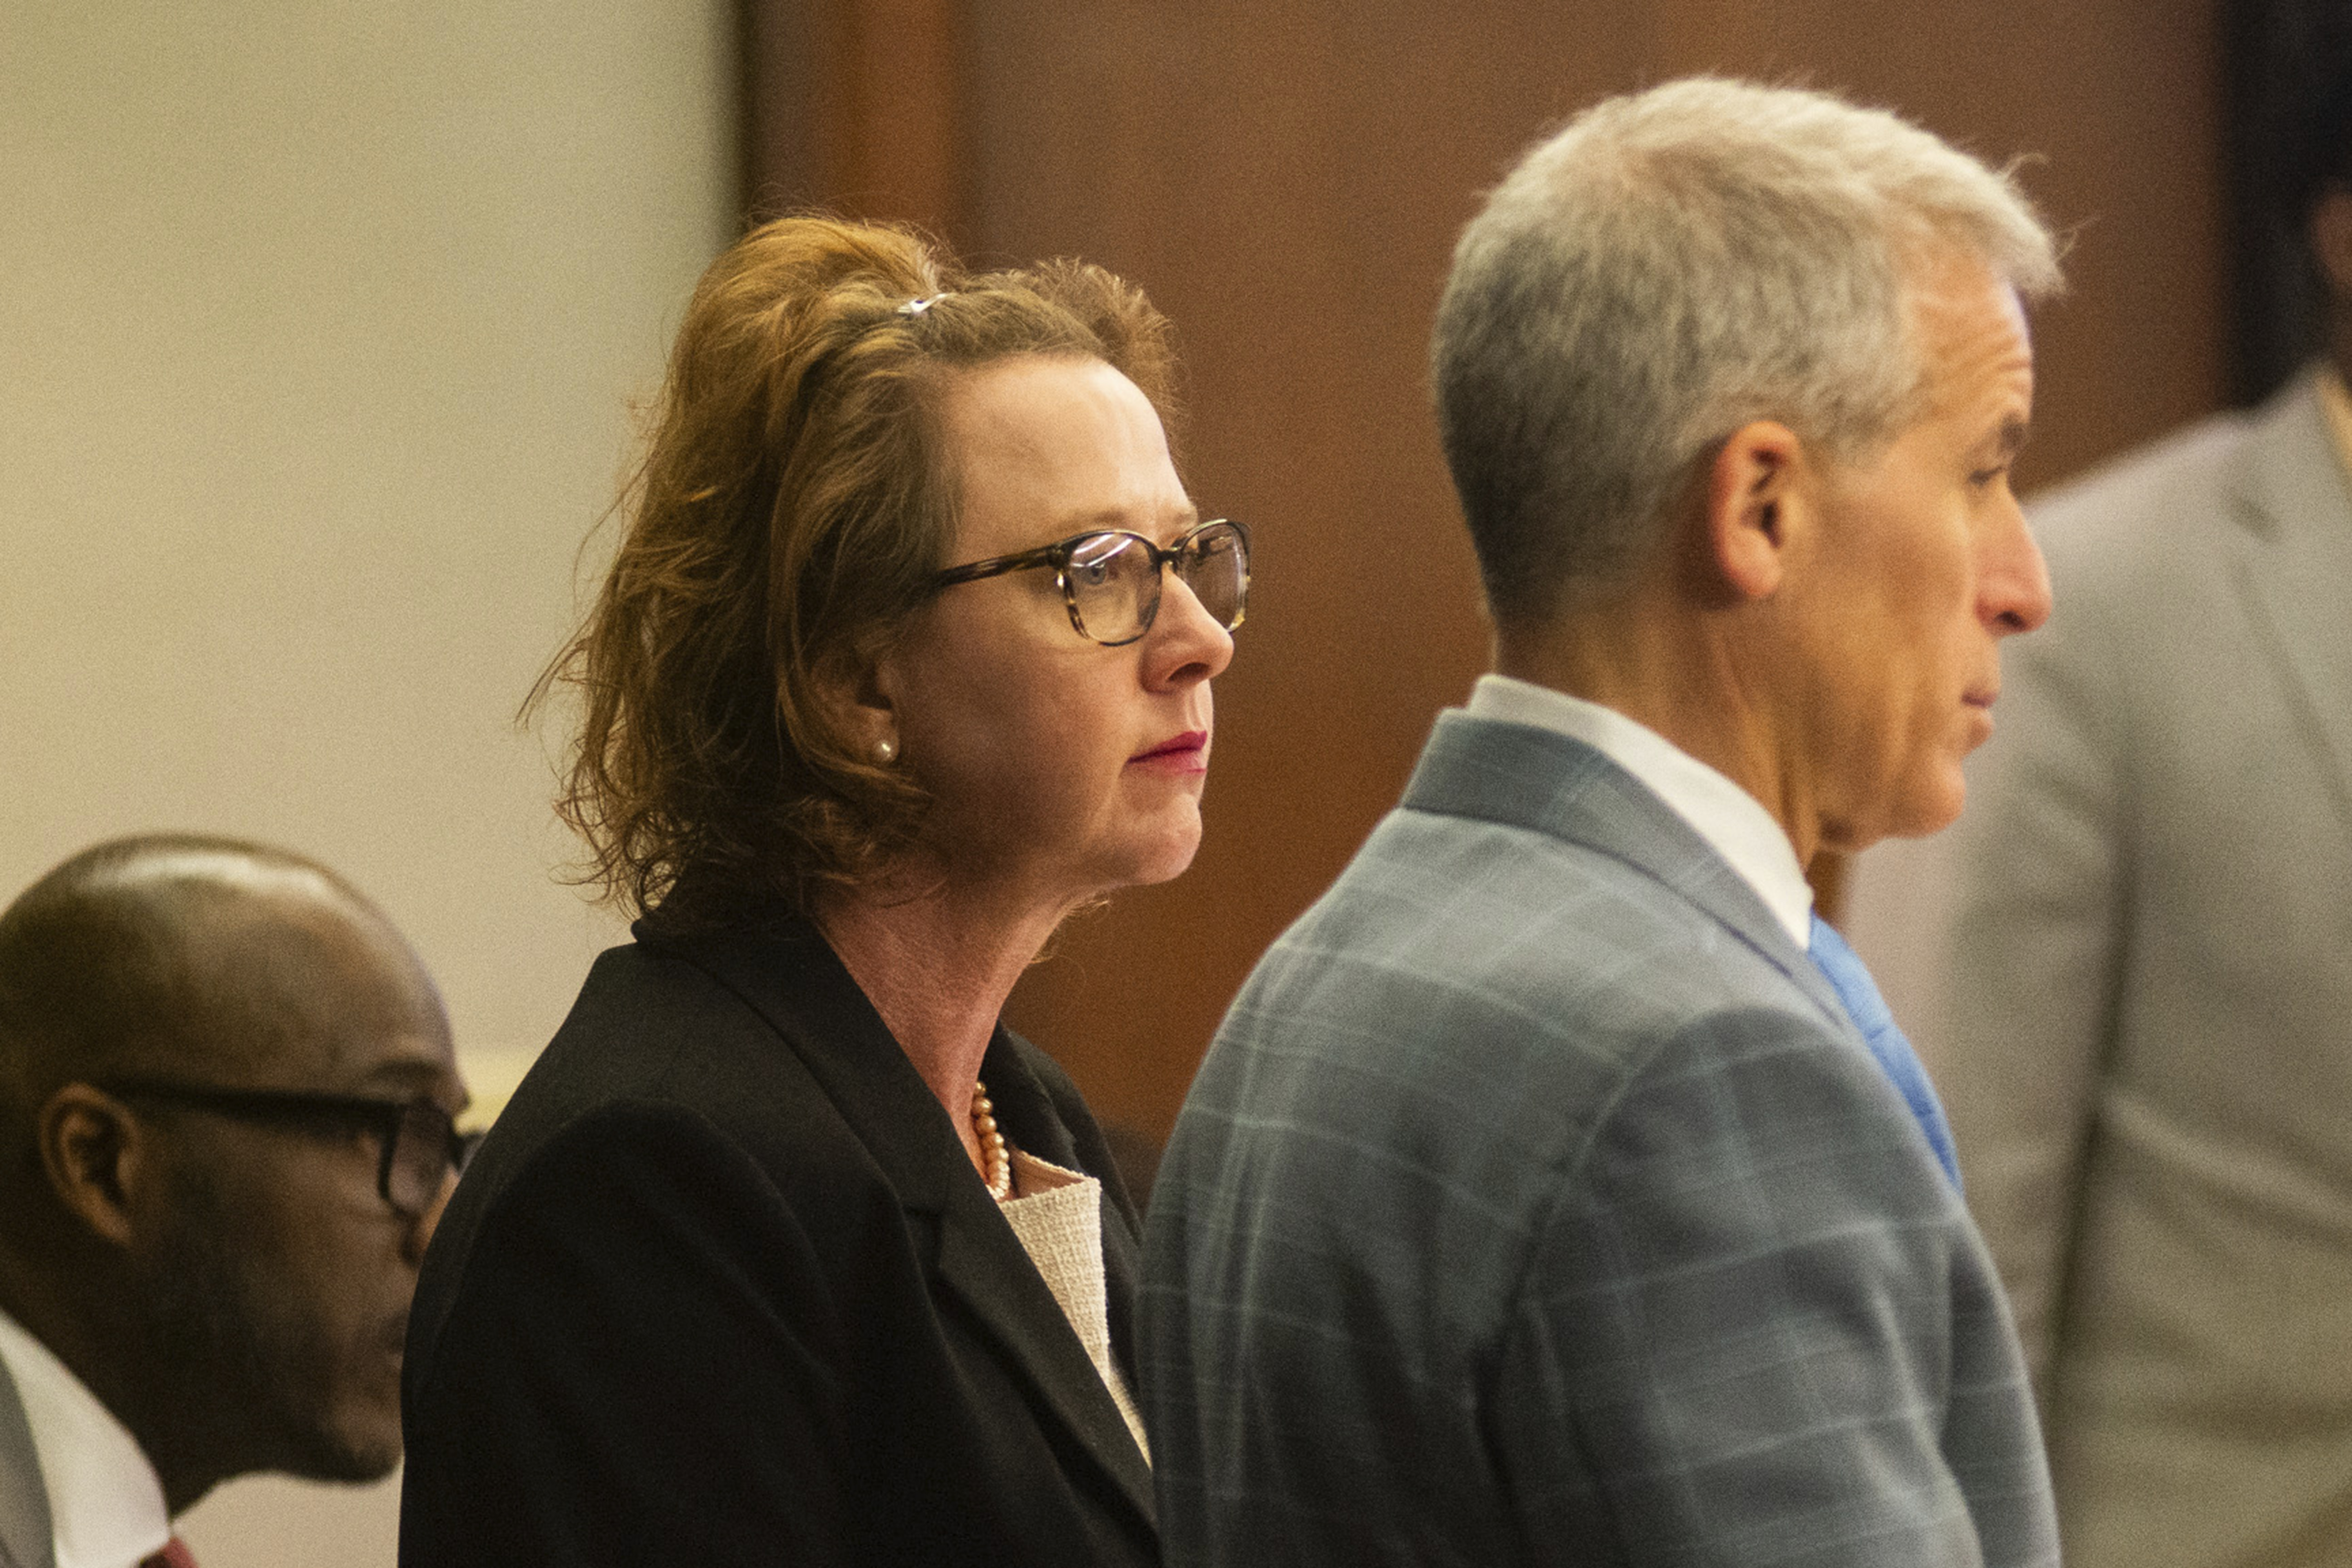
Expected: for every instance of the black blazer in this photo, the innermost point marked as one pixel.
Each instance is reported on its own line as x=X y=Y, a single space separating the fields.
x=721 y=1286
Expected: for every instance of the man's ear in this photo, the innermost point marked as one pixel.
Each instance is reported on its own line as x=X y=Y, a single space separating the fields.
x=1750 y=491
x=95 y=1153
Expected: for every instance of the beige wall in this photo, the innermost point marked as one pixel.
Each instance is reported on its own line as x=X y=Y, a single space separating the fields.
x=318 y=319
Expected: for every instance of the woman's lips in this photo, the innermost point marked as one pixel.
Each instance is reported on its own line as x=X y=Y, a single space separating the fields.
x=1184 y=754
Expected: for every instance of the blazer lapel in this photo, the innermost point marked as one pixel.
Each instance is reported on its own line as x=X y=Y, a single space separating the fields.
x=1550 y=783
x=1123 y=1281
x=985 y=1265
x=2293 y=564
x=24 y=1529
x=784 y=970
x=982 y=1263
x=1034 y=1113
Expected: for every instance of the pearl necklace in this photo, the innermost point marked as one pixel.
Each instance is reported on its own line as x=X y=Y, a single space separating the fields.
x=994 y=1153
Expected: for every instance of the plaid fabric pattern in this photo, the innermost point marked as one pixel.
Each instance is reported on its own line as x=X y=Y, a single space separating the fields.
x=1537 y=1203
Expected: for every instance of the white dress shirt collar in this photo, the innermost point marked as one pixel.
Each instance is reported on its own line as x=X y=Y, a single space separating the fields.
x=1734 y=823
x=106 y=1503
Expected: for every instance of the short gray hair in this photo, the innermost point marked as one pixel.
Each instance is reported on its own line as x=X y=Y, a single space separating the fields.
x=1668 y=267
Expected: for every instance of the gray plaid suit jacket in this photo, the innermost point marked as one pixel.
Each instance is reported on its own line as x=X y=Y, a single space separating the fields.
x=1537 y=1203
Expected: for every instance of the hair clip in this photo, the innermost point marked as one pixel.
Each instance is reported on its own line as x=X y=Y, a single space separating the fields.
x=916 y=307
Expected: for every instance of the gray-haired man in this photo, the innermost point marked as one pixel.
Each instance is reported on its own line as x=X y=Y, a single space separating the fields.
x=1558 y=1190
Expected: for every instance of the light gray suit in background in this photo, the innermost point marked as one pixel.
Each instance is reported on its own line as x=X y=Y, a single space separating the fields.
x=24 y=1531
x=2146 y=1046
x=1538 y=1203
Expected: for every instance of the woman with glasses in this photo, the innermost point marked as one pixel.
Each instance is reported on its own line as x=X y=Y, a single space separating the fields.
x=787 y=1250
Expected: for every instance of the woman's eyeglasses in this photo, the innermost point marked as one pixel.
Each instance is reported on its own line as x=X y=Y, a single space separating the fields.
x=421 y=1146
x=1110 y=578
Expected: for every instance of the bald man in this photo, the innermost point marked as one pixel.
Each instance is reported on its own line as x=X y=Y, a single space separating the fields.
x=227 y=1087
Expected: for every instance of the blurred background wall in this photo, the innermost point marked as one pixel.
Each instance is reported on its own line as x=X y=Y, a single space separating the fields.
x=319 y=324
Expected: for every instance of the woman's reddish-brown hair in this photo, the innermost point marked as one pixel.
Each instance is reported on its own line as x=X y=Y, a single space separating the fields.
x=787 y=520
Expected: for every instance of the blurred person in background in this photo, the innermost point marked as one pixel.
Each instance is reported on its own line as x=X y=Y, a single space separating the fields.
x=1559 y=1189
x=227 y=1087
x=786 y=1251
x=2147 y=1040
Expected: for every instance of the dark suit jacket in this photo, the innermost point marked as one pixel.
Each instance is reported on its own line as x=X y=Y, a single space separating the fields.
x=1539 y=1204
x=722 y=1288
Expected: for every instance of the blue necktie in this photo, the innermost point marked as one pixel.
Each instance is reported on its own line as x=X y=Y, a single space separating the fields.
x=1843 y=969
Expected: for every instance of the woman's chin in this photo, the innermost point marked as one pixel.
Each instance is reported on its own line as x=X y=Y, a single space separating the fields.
x=1165 y=859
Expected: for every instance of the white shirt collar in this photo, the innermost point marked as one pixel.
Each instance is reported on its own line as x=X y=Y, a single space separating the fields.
x=1734 y=823
x=106 y=1503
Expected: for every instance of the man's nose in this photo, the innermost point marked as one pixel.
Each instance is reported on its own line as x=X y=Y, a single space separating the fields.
x=2014 y=586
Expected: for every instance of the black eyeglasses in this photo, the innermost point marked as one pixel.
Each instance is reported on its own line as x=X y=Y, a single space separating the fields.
x=1110 y=578
x=421 y=1145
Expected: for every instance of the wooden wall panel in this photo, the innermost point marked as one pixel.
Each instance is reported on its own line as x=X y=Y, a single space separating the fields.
x=857 y=106
x=2119 y=104
x=1287 y=182
x=1287 y=178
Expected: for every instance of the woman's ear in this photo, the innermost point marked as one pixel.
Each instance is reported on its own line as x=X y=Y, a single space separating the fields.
x=1751 y=494
x=96 y=1154
x=857 y=687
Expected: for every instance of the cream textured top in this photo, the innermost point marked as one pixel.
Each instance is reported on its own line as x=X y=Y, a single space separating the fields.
x=1058 y=1214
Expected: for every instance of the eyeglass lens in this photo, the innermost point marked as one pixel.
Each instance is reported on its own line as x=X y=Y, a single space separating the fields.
x=1114 y=582
x=424 y=1153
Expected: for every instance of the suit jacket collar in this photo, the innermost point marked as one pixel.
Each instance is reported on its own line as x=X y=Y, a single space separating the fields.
x=2292 y=562
x=784 y=971
x=26 y=1536
x=1551 y=784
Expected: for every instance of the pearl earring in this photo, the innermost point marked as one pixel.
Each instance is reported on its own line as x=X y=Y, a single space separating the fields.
x=886 y=752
